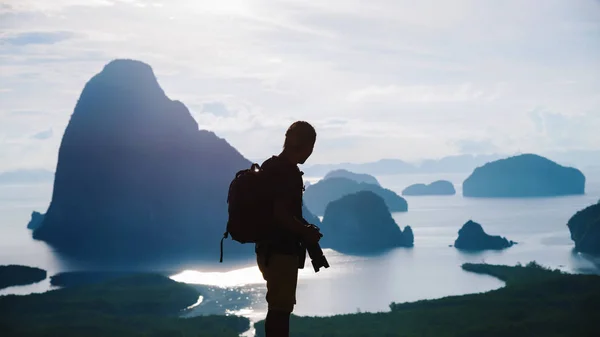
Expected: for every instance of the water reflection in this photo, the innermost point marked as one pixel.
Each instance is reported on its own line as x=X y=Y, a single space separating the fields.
x=251 y=274
x=584 y=263
x=35 y=288
x=200 y=299
x=430 y=270
x=233 y=278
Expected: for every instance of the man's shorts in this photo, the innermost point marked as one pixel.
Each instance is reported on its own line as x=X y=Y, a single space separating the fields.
x=281 y=274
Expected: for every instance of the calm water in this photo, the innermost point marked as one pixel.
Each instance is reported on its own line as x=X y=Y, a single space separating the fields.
x=430 y=270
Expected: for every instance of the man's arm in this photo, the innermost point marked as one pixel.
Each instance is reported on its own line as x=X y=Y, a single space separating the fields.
x=287 y=220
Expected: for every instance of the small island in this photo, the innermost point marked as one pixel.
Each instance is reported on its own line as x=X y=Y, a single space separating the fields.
x=361 y=223
x=526 y=175
x=319 y=195
x=472 y=237
x=585 y=229
x=358 y=177
x=440 y=187
x=15 y=275
x=36 y=221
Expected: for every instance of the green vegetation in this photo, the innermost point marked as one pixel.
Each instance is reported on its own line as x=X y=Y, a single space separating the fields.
x=80 y=278
x=14 y=275
x=530 y=273
x=136 y=305
x=535 y=302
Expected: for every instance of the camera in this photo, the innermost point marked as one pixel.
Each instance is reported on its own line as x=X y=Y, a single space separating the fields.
x=315 y=252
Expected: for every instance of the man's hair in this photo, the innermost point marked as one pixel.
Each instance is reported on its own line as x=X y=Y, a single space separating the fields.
x=299 y=134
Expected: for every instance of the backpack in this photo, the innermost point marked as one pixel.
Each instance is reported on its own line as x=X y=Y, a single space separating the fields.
x=250 y=207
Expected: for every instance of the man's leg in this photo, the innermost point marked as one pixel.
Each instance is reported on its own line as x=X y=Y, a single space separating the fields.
x=281 y=274
x=277 y=324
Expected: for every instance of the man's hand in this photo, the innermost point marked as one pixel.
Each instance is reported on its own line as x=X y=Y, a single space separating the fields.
x=311 y=235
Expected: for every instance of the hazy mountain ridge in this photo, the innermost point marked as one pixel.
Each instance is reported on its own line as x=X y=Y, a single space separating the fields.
x=464 y=163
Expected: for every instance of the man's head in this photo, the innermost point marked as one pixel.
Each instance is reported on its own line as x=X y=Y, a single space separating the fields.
x=300 y=140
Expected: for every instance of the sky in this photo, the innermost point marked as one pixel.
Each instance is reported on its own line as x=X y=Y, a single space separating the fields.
x=378 y=79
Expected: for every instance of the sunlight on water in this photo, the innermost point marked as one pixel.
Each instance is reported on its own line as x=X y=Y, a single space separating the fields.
x=233 y=278
x=200 y=299
x=242 y=312
x=253 y=315
x=35 y=288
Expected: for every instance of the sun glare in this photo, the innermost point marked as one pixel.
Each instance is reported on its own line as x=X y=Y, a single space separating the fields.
x=233 y=278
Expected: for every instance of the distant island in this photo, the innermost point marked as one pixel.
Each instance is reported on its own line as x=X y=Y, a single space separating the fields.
x=526 y=175
x=15 y=275
x=36 y=220
x=317 y=196
x=460 y=163
x=585 y=229
x=380 y=167
x=361 y=223
x=472 y=237
x=132 y=305
x=533 y=301
x=358 y=177
x=389 y=166
x=440 y=187
x=133 y=167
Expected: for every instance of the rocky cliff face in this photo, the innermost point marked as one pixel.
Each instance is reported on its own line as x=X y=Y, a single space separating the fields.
x=361 y=223
x=135 y=175
x=585 y=229
x=472 y=237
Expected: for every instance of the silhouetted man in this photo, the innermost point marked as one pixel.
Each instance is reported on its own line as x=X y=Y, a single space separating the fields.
x=280 y=257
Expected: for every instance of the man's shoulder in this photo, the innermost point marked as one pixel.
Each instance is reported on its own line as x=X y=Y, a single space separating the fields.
x=271 y=162
x=275 y=163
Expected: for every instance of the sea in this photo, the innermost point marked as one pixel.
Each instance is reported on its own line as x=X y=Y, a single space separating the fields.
x=431 y=269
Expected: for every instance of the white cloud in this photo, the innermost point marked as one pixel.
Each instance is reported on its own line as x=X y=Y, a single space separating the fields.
x=423 y=93
x=409 y=79
x=477 y=146
x=42 y=135
x=49 y=6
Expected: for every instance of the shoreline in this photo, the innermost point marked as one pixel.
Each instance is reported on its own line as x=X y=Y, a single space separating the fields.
x=247 y=300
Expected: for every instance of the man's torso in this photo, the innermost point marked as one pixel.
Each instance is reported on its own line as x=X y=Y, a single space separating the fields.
x=286 y=180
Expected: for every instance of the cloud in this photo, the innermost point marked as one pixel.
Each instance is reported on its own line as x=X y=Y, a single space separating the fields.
x=28 y=38
x=556 y=131
x=423 y=93
x=17 y=6
x=472 y=146
x=384 y=78
x=217 y=109
x=46 y=134
x=537 y=119
x=26 y=113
